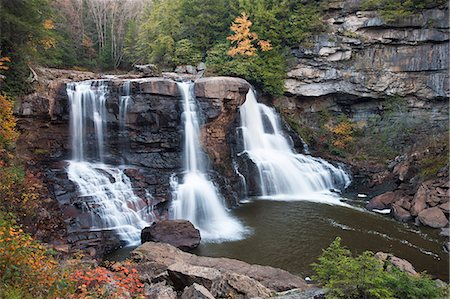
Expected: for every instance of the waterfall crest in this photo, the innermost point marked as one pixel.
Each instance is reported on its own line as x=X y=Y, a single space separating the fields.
x=283 y=173
x=106 y=192
x=196 y=198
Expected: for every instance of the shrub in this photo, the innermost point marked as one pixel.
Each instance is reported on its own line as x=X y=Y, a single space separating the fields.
x=394 y=10
x=27 y=268
x=115 y=281
x=364 y=276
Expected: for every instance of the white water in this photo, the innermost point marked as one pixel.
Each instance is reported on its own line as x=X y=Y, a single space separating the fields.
x=196 y=199
x=107 y=192
x=283 y=173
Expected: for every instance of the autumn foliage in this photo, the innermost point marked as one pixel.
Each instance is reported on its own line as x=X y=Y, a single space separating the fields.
x=244 y=41
x=117 y=280
x=25 y=264
x=342 y=134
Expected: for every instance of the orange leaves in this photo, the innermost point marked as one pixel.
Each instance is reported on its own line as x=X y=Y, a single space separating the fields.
x=342 y=132
x=23 y=261
x=243 y=39
x=8 y=133
x=3 y=60
x=116 y=281
x=48 y=24
x=265 y=45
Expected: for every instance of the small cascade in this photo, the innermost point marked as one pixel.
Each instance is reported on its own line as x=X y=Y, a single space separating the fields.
x=196 y=198
x=106 y=192
x=283 y=173
x=124 y=103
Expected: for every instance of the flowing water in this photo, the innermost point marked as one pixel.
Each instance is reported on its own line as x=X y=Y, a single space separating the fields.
x=291 y=233
x=283 y=173
x=106 y=192
x=196 y=198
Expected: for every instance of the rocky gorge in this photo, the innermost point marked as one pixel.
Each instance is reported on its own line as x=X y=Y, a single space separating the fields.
x=388 y=82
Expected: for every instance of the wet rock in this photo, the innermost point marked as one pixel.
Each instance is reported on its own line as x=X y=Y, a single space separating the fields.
x=158 y=257
x=239 y=286
x=179 y=233
x=196 y=291
x=400 y=213
x=397 y=262
x=383 y=201
x=433 y=217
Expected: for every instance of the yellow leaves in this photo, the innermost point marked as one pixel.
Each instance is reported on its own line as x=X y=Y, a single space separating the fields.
x=48 y=24
x=8 y=133
x=342 y=132
x=3 y=60
x=265 y=45
x=48 y=43
x=243 y=39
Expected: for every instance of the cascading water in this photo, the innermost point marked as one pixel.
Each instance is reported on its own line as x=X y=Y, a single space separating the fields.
x=124 y=103
x=196 y=198
x=283 y=173
x=106 y=192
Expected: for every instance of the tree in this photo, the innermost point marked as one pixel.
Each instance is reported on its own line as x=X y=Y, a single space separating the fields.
x=244 y=40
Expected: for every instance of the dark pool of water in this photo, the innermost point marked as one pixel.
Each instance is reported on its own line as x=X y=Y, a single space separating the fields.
x=291 y=234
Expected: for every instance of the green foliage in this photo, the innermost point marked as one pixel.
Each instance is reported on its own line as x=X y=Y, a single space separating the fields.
x=186 y=53
x=395 y=10
x=265 y=70
x=364 y=276
x=285 y=23
x=431 y=165
x=204 y=22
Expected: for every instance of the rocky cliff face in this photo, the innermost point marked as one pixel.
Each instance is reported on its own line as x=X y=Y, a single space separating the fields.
x=151 y=149
x=375 y=95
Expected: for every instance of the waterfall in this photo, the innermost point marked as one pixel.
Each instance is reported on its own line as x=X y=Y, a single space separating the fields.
x=196 y=198
x=106 y=192
x=124 y=103
x=283 y=173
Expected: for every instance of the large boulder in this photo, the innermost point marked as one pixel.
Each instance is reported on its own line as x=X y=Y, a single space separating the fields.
x=196 y=291
x=159 y=86
x=155 y=258
x=400 y=213
x=179 y=233
x=383 y=201
x=419 y=202
x=397 y=262
x=221 y=88
x=433 y=217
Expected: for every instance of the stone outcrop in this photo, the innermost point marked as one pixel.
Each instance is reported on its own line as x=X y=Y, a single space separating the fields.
x=384 y=200
x=433 y=217
x=424 y=201
x=390 y=81
x=179 y=233
x=220 y=98
x=397 y=262
x=163 y=264
x=151 y=148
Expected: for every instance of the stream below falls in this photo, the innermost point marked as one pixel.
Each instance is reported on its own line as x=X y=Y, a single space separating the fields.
x=291 y=235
